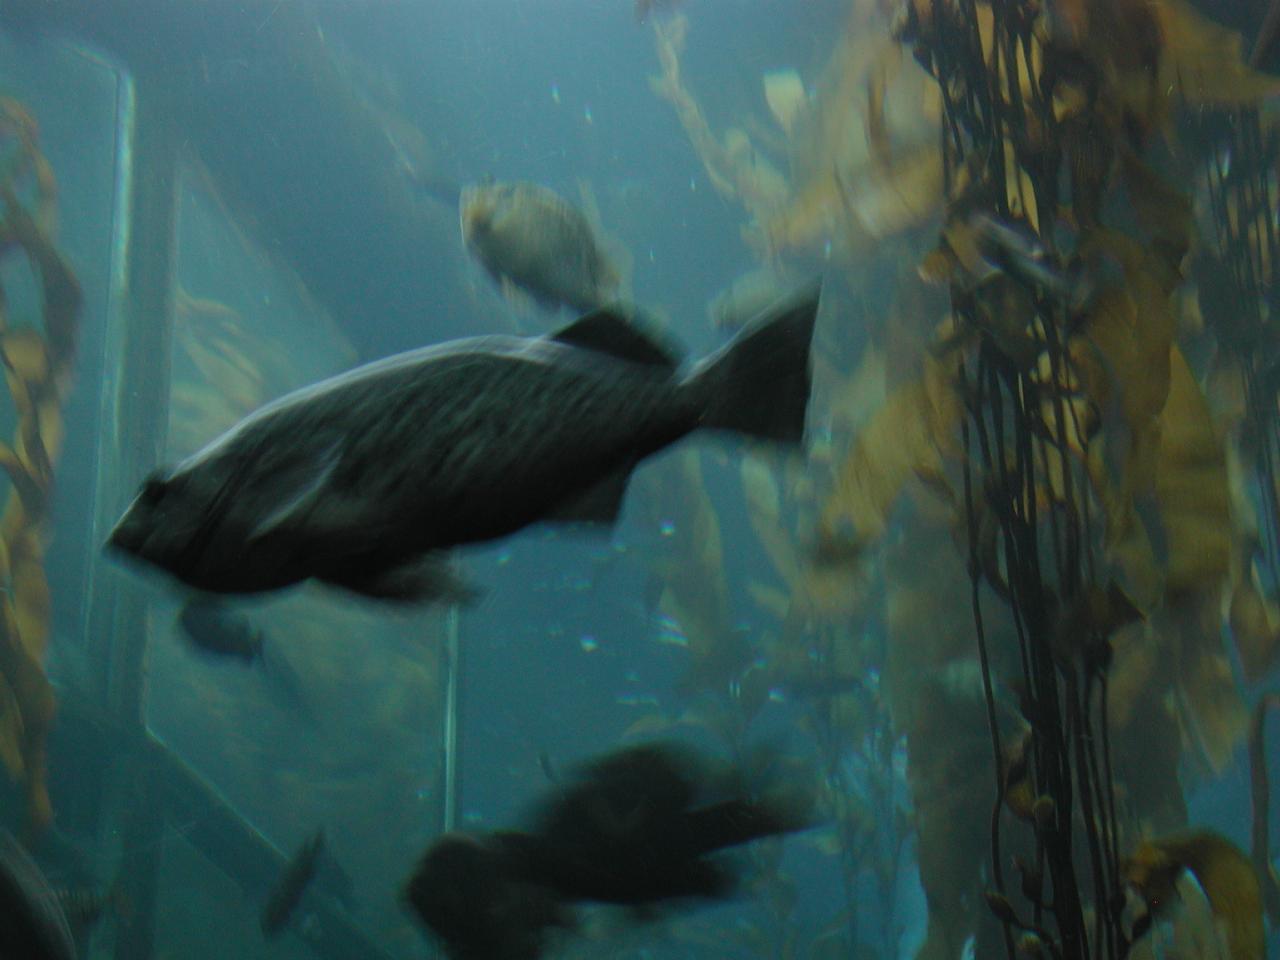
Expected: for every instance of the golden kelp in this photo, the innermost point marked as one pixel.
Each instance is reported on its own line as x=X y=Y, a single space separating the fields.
x=37 y=369
x=841 y=194
x=1092 y=453
x=1224 y=873
x=911 y=436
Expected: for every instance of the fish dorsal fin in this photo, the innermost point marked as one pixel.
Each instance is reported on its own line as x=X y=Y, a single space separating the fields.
x=610 y=332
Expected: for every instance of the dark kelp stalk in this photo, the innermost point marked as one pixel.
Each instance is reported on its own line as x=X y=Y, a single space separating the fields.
x=1063 y=246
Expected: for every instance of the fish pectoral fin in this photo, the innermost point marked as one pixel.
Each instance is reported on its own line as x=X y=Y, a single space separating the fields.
x=610 y=332
x=600 y=504
x=427 y=579
x=302 y=510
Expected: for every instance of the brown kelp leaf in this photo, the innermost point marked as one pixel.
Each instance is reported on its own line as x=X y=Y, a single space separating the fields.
x=1255 y=627
x=770 y=599
x=32 y=606
x=1097 y=612
x=911 y=433
x=1224 y=872
x=1163 y=212
x=25 y=354
x=764 y=508
x=1192 y=487
x=12 y=731
x=1204 y=61
x=1211 y=711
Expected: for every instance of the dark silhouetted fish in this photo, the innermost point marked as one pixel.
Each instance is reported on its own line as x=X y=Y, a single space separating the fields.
x=288 y=891
x=529 y=236
x=215 y=629
x=464 y=894
x=635 y=828
x=221 y=632
x=363 y=480
x=32 y=923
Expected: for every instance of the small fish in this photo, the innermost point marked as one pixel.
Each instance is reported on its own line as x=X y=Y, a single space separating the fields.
x=33 y=925
x=636 y=827
x=529 y=236
x=294 y=879
x=1015 y=250
x=364 y=480
x=218 y=631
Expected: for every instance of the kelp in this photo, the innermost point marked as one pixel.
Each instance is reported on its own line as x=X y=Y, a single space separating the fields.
x=1059 y=433
x=1091 y=464
x=38 y=361
x=1238 y=300
x=912 y=435
x=1222 y=871
x=857 y=171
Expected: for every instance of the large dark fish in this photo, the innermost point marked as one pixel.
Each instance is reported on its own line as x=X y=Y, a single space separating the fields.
x=531 y=237
x=363 y=480
x=293 y=882
x=638 y=827
x=32 y=923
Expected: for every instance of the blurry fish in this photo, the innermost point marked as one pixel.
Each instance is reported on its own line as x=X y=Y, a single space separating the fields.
x=745 y=298
x=362 y=481
x=636 y=828
x=1015 y=250
x=529 y=236
x=33 y=925
x=288 y=891
x=219 y=631
x=464 y=895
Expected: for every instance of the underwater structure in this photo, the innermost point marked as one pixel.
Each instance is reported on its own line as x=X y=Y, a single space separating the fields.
x=87 y=738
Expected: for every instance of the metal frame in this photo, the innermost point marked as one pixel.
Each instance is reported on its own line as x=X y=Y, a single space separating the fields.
x=150 y=786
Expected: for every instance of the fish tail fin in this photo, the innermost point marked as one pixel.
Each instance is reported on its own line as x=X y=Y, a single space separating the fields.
x=758 y=384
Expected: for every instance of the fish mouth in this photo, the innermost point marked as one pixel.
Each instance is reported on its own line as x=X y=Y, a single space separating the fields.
x=127 y=537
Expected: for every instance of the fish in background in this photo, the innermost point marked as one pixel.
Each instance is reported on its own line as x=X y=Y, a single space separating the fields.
x=33 y=925
x=529 y=237
x=363 y=481
x=218 y=631
x=637 y=828
x=292 y=884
